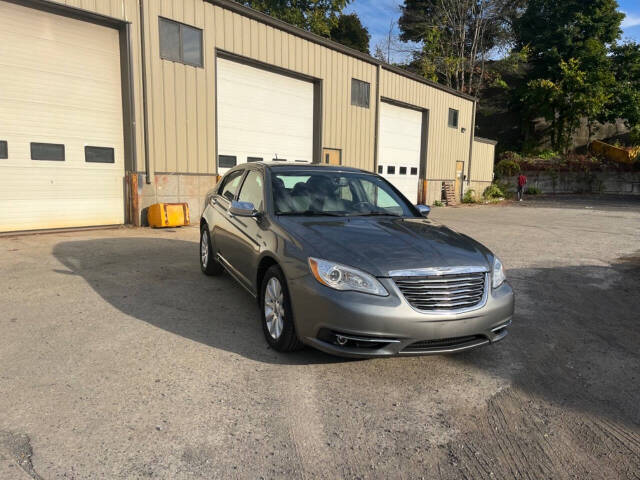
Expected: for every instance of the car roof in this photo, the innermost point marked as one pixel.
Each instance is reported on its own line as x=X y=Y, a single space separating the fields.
x=275 y=166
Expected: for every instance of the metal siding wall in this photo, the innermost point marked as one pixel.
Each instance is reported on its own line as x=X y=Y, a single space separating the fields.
x=482 y=162
x=181 y=99
x=445 y=145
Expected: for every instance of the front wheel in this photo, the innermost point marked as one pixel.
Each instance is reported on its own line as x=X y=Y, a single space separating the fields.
x=276 y=313
x=208 y=264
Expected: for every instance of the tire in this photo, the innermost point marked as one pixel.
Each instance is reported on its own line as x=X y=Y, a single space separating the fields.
x=208 y=264
x=282 y=338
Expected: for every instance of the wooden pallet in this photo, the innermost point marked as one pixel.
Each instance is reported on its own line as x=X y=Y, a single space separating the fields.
x=450 y=193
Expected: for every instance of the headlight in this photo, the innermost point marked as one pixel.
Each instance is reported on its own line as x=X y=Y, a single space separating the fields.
x=341 y=277
x=498 y=273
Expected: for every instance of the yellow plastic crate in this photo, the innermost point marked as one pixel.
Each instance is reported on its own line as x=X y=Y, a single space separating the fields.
x=162 y=215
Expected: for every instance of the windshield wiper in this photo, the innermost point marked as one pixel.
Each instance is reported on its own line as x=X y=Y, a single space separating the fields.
x=311 y=213
x=376 y=214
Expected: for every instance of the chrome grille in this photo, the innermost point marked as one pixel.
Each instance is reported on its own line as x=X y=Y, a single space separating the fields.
x=462 y=291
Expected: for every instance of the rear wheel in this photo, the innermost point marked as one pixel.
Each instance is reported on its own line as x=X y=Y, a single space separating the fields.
x=275 y=311
x=208 y=264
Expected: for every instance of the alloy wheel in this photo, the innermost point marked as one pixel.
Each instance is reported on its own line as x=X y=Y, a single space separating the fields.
x=274 y=308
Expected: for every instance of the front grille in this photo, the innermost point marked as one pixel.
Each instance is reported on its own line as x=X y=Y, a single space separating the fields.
x=443 y=344
x=444 y=292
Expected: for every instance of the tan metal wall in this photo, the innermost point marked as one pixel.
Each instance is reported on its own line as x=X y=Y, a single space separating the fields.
x=181 y=98
x=482 y=161
x=445 y=145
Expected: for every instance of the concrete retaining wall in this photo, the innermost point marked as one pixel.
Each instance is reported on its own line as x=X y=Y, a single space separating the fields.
x=621 y=183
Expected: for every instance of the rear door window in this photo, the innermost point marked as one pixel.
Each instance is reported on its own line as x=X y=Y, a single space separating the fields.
x=230 y=185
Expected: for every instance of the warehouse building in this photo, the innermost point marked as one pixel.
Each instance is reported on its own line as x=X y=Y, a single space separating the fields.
x=109 y=106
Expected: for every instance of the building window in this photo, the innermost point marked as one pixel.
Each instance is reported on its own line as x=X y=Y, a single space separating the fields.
x=227 y=161
x=4 y=150
x=180 y=43
x=47 y=151
x=360 y=93
x=391 y=170
x=279 y=159
x=414 y=170
x=99 y=155
x=453 y=118
x=254 y=159
x=380 y=169
x=403 y=170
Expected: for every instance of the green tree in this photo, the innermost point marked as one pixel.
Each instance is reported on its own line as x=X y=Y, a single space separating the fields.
x=570 y=74
x=317 y=16
x=350 y=32
x=626 y=99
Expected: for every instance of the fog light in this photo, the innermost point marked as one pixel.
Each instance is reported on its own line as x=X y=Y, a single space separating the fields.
x=341 y=340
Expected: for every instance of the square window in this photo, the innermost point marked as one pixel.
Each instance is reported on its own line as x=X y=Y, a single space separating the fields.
x=99 y=155
x=47 y=151
x=414 y=171
x=391 y=170
x=191 y=45
x=360 y=93
x=180 y=43
x=227 y=161
x=380 y=169
x=453 y=118
x=4 y=150
x=403 y=170
x=254 y=159
x=169 y=40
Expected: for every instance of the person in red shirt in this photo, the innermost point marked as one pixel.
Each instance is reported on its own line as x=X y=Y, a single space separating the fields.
x=522 y=181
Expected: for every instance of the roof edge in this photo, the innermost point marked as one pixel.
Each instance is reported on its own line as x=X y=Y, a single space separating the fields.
x=325 y=42
x=485 y=140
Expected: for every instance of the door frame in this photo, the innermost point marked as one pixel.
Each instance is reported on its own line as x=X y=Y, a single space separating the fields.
x=459 y=193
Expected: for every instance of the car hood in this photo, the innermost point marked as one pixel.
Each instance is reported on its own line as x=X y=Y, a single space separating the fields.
x=380 y=245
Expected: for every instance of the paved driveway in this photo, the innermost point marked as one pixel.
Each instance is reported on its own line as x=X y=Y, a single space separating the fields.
x=119 y=359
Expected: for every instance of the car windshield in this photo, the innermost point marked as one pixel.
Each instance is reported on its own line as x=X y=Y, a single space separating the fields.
x=335 y=193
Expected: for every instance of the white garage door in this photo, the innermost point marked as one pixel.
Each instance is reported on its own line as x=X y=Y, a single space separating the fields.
x=61 y=119
x=399 y=154
x=262 y=116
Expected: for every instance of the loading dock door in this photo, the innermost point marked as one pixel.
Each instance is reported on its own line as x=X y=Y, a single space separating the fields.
x=262 y=115
x=399 y=154
x=60 y=95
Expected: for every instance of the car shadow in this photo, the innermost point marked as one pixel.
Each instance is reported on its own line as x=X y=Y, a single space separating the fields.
x=574 y=340
x=159 y=281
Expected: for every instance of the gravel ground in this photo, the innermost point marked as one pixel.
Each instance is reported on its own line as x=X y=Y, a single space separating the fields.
x=119 y=359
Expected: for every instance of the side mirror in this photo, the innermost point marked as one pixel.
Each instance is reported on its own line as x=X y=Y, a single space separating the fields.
x=243 y=209
x=424 y=210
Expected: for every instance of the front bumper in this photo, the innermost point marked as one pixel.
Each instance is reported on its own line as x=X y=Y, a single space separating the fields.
x=389 y=325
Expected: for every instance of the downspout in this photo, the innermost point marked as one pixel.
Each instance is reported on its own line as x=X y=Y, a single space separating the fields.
x=471 y=137
x=377 y=120
x=145 y=111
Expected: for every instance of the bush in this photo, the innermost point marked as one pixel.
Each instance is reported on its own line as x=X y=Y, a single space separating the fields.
x=492 y=192
x=438 y=203
x=507 y=167
x=634 y=135
x=533 y=191
x=469 y=196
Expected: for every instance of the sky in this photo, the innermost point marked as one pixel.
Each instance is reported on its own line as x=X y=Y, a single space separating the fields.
x=377 y=15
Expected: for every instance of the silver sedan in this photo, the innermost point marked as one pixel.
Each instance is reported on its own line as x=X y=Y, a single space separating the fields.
x=339 y=260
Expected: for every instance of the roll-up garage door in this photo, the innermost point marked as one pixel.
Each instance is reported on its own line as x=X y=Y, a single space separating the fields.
x=61 y=133
x=262 y=116
x=399 y=154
